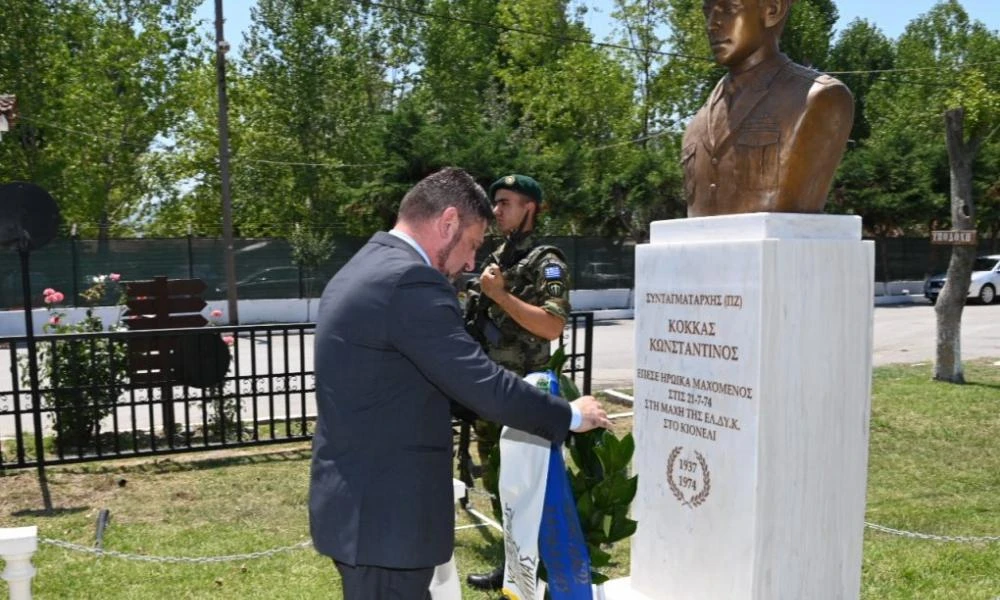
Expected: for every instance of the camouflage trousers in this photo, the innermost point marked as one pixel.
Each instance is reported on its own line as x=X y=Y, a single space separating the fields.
x=488 y=450
x=487 y=438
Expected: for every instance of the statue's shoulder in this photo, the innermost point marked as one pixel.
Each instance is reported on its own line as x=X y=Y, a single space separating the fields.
x=700 y=117
x=824 y=91
x=812 y=76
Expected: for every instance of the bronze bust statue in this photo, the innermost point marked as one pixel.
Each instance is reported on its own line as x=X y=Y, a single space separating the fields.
x=772 y=133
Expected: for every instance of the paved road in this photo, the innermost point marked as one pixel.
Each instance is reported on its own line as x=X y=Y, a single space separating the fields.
x=903 y=334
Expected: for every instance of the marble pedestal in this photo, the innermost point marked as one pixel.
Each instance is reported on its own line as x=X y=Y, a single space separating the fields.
x=752 y=399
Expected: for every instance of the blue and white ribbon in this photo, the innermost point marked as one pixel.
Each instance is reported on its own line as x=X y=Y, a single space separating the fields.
x=540 y=518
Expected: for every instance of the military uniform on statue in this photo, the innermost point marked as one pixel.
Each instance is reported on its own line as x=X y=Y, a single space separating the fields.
x=745 y=140
x=516 y=308
x=772 y=133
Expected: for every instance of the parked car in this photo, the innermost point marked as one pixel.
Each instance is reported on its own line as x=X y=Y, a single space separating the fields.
x=275 y=282
x=601 y=275
x=984 y=285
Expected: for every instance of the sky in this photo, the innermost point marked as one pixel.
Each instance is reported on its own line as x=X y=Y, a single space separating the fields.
x=891 y=16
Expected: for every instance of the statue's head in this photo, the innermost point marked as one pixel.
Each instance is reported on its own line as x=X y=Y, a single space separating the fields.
x=739 y=28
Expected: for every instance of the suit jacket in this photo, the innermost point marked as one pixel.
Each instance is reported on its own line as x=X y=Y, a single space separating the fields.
x=777 y=148
x=391 y=349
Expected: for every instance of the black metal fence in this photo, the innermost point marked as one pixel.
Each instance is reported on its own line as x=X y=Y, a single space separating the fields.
x=92 y=403
x=91 y=409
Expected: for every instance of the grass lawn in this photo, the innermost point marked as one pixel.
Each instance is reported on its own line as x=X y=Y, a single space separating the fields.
x=934 y=468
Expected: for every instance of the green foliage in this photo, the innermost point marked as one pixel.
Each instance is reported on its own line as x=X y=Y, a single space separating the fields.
x=84 y=376
x=690 y=73
x=861 y=47
x=958 y=58
x=806 y=38
x=898 y=176
x=892 y=181
x=337 y=108
x=601 y=482
x=310 y=247
x=103 y=72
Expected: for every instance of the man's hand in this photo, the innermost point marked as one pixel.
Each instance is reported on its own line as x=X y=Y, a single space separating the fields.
x=593 y=415
x=492 y=282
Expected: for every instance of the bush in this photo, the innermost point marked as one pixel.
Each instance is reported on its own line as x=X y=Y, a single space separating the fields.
x=80 y=378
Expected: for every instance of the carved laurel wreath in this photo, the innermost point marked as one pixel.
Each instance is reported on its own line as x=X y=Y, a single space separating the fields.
x=671 y=461
x=706 y=488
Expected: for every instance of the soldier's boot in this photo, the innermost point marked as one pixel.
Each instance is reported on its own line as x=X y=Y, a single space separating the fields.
x=492 y=580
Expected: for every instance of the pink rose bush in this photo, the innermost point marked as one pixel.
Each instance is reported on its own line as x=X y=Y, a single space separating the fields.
x=82 y=374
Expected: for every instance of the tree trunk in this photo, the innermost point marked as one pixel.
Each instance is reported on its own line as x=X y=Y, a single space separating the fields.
x=951 y=302
x=884 y=256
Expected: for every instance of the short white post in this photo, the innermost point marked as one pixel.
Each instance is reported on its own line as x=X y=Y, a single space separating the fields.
x=17 y=544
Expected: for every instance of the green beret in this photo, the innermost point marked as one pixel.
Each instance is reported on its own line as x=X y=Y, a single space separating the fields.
x=521 y=184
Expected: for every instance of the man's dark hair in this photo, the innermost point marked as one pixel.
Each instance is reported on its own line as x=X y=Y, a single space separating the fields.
x=450 y=186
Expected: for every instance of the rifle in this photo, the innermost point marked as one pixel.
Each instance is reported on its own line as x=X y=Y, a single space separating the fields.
x=477 y=319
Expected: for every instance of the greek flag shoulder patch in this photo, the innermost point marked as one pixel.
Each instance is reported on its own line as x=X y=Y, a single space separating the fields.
x=552 y=272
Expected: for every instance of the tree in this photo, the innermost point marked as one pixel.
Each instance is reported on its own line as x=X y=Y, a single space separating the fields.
x=890 y=180
x=950 y=64
x=642 y=179
x=456 y=113
x=864 y=52
x=95 y=87
x=642 y=23
x=311 y=90
x=686 y=81
x=987 y=190
x=566 y=97
x=808 y=32
x=310 y=250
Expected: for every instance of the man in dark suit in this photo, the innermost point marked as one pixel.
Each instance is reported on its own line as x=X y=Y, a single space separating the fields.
x=391 y=349
x=772 y=133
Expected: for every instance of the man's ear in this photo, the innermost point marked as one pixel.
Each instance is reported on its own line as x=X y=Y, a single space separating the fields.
x=774 y=11
x=532 y=207
x=448 y=223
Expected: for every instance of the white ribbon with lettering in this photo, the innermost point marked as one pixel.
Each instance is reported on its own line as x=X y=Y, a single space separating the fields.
x=524 y=460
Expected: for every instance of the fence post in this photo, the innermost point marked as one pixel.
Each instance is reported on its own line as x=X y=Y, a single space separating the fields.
x=588 y=351
x=17 y=545
x=74 y=264
x=190 y=242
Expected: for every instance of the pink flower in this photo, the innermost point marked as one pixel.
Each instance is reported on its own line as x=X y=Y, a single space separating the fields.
x=56 y=297
x=54 y=320
x=114 y=276
x=48 y=292
x=215 y=314
x=49 y=299
x=228 y=339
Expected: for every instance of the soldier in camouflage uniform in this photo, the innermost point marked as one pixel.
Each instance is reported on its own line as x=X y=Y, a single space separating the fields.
x=517 y=306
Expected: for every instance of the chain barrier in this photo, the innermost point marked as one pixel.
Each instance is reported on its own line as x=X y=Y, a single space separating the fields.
x=964 y=539
x=173 y=559
x=193 y=559
x=306 y=543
